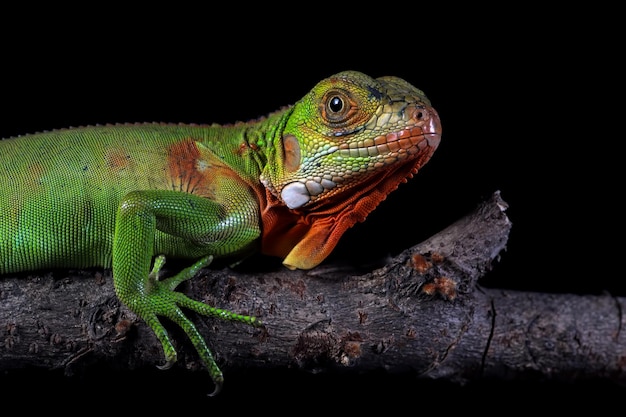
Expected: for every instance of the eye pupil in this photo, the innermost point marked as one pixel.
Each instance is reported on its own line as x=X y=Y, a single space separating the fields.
x=335 y=104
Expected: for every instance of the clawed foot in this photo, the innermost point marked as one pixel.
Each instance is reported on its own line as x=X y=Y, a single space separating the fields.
x=160 y=299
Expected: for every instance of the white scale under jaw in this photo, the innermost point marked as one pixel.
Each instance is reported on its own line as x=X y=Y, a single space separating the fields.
x=297 y=194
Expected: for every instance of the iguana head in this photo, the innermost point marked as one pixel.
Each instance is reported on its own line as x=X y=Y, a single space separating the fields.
x=345 y=146
x=348 y=130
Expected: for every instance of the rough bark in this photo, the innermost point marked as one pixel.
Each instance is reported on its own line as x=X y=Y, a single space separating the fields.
x=422 y=312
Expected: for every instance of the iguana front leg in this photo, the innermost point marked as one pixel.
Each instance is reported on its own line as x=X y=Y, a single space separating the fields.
x=180 y=224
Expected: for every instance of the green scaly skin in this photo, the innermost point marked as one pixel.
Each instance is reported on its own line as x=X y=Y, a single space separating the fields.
x=126 y=196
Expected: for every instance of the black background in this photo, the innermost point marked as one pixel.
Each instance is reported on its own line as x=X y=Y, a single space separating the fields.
x=526 y=98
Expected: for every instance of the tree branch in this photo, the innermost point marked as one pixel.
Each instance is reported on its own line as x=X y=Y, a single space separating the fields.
x=422 y=312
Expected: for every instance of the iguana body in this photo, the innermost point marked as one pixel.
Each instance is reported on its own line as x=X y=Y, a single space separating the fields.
x=288 y=185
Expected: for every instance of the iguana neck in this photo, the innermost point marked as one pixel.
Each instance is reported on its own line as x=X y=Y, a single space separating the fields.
x=250 y=147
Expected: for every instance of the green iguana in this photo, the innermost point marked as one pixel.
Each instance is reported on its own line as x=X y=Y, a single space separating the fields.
x=126 y=196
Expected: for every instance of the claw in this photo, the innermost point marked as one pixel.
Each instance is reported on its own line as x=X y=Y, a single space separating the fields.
x=167 y=365
x=217 y=390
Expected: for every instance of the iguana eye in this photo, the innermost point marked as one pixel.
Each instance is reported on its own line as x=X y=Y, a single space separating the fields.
x=335 y=104
x=337 y=107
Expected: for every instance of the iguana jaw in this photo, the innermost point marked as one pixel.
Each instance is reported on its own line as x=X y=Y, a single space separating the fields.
x=357 y=161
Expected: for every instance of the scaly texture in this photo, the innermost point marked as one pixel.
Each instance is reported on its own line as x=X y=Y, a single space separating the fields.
x=290 y=184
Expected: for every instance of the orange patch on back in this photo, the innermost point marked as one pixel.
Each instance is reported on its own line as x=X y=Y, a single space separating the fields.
x=35 y=172
x=32 y=184
x=117 y=159
x=191 y=168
